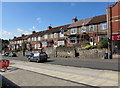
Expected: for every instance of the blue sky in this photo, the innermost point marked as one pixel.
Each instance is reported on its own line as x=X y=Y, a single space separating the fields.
x=24 y=17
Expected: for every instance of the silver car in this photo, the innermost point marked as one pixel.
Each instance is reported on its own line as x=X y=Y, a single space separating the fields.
x=38 y=57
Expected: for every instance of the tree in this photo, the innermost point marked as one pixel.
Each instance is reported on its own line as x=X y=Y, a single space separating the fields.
x=104 y=43
x=24 y=47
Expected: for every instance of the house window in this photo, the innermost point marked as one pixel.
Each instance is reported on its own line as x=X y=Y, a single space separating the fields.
x=62 y=42
x=32 y=39
x=103 y=26
x=73 y=40
x=51 y=35
x=44 y=43
x=39 y=38
x=101 y=37
x=37 y=46
x=45 y=36
x=35 y=39
x=73 y=30
x=83 y=29
x=62 y=33
x=91 y=27
x=55 y=35
x=28 y=39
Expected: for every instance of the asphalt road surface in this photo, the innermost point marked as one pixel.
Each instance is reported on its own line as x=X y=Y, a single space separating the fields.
x=103 y=64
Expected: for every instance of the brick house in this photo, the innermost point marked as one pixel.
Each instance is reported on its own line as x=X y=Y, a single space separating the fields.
x=91 y=29
x=113 y=15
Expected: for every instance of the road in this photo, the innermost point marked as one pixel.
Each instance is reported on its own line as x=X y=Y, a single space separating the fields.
x=23 y=73
x=103 y=64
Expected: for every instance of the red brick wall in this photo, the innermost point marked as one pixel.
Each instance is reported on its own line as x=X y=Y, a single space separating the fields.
x=115 y=16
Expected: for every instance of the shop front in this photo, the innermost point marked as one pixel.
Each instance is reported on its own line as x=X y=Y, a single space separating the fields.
x=116 y=46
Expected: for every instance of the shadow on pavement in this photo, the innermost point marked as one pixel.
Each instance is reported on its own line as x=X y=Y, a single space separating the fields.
x=6 y=83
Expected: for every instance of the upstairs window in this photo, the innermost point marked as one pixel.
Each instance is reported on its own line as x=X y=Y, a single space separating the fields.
x=62 y=33
x=73 y=30
x=45 y=36
x=51 y=35
x=35 y=39
x=83 y=29
x=91 y=27
x=39 y=38
x=103 y=26
x=55 y=35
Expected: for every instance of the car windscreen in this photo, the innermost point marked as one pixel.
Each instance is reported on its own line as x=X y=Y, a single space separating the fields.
x=36 y=54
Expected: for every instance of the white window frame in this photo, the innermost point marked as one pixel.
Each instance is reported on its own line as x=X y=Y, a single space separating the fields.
x=45 y=36
x=62 y=34
x=55 y=35
x=92 y=27
x=61 y=42
x=74 y=39
x=103 y=26
x=51 y=35
x=39 y=38
x=73 y=31
x=83 y=29
x=44 y=43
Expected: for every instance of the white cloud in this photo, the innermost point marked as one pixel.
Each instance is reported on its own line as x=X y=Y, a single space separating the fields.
x=4 y=32
x=38 y=20
x=22 y=31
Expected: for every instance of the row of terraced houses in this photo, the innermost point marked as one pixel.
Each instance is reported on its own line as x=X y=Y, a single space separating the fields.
x=92 y=29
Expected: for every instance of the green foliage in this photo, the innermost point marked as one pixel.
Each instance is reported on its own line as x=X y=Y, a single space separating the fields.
x=85 y=43
x=104 y=43
x=62 y=46
x=90 y=47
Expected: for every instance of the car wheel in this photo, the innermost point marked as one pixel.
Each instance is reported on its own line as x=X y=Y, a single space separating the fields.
x=38 y=60
x=29 y=60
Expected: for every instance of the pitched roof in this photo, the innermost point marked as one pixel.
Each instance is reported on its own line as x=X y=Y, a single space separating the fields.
x=92 y=20
x=98 y=19
x=52 y=30
x=80 y=23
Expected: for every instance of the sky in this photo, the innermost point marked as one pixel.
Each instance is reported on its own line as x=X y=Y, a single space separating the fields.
x=24 y=17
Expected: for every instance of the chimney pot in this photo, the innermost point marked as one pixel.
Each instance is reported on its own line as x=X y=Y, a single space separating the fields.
x=33 y=31
x=74 y=20
x=49 y=27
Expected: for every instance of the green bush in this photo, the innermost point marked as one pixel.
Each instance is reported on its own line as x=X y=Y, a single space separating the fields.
x=85 y=43
x=62 y=46
x=104 y=43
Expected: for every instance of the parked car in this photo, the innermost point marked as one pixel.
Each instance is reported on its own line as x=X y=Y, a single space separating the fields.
x=6 y=54
x=29 y=54
x=12 y=55
x=38 y=57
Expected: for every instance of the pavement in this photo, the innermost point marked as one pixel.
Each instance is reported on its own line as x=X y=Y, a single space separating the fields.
x=83 y=76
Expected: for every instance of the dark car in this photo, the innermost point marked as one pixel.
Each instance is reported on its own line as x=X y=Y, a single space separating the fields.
x=29 y=54
x=38 y=57
x=12 y=55
x=6 y=54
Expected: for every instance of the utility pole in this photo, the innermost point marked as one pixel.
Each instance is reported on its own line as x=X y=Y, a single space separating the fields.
x=109 y=34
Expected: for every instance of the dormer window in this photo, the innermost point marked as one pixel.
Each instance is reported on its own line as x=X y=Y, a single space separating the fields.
x=73 y=30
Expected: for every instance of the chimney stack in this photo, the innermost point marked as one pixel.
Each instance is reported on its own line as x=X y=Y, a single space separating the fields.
x=49 y=27
x=23 y=35
x=14 y=37
x=33 y=31
x=74 y=20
